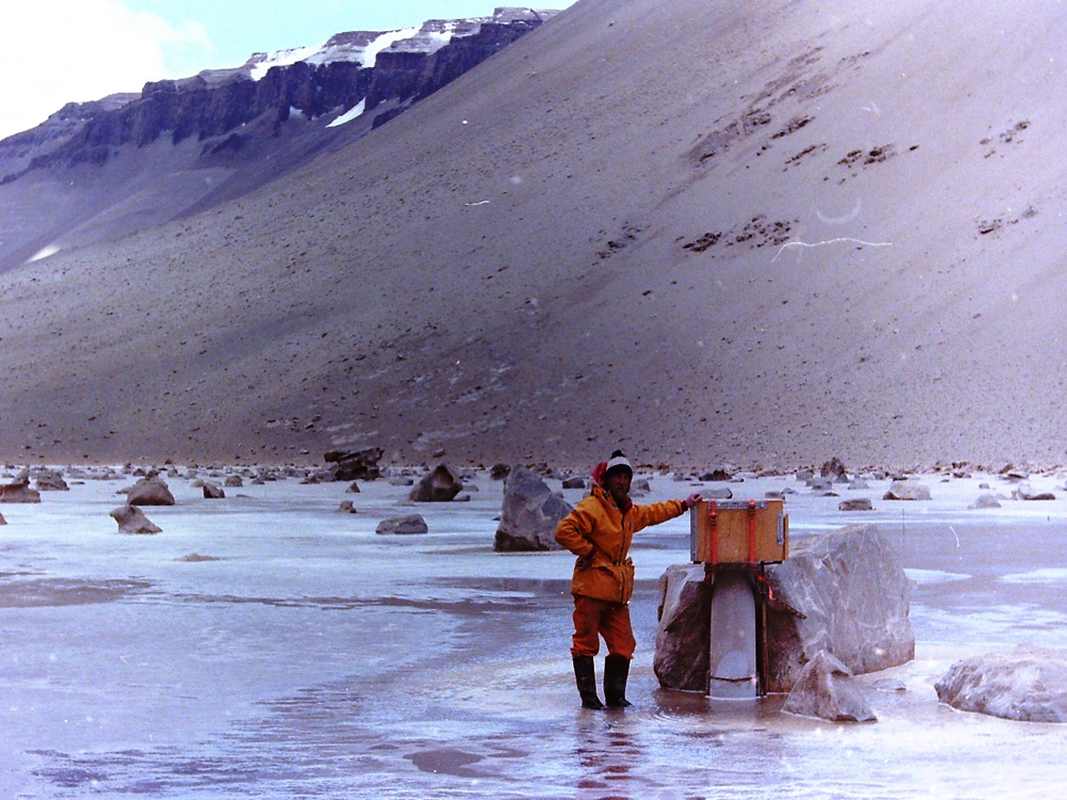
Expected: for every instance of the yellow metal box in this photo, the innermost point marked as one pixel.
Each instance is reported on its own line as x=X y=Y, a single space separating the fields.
x=738 y=531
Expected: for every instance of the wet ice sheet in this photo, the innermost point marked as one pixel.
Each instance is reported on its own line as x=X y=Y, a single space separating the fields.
x=315 y=658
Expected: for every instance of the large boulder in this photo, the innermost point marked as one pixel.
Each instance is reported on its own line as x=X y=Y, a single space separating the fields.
x=19 y=491
x=439 y=486
x=854 y=598
x=150 y=490
x=132 y=520
x=825 y=690
x=842 y=592
x=1027 y=684
x=529 y=514
x=683 y=642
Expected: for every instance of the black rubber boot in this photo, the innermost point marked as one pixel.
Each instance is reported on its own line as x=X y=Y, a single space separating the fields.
x=585 y=677
x=616 y=671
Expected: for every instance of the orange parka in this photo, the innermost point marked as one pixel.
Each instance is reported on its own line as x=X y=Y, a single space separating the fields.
x=598 y=528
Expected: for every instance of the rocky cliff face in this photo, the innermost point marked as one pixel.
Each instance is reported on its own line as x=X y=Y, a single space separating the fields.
x=282 y=107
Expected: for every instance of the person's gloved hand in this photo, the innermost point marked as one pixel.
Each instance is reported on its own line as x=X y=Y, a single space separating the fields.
x=692 y=500
x=585 y=561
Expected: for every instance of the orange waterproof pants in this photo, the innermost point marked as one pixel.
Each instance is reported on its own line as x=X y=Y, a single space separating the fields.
x=596 y=618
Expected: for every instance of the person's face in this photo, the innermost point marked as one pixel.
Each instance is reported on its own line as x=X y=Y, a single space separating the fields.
x=618 y=485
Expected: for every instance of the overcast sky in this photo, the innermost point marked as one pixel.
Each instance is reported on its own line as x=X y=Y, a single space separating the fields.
x=56 y=51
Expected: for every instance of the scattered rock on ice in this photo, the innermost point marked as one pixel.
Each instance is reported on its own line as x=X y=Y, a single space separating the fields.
x=1025 y=491
x=439 y=486
x=1027 y=684
x=985 y=501
x=355 y=464
x=834 y=469
x=212 y=491
x=347 y=507
x=825 y=690
x=403 y=526
x=50 y=480
x=132 y=520
x=718 y=493
x=19 y=491
x=529 y=514
x=855 y=504
x=150 y=490
x=907 y=490
x=2 y=520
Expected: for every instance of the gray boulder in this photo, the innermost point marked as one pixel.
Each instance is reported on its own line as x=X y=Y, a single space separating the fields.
x=132 y=520
x=355 y=464
x=855 y=504
x=19 y=491
x=402 y=526
x=438 y=486
x=212 y=491
x=907 y=490
x=1025 y=491
x=529 y=514
x=826 y=690
x=683 y=642
x=986 y=501
x=150 y=490
x=50 y=480
x=834 y=469
x=855 y=599
x=1027 y=684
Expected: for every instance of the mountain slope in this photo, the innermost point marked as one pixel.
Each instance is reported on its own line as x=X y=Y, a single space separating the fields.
x=705 y=234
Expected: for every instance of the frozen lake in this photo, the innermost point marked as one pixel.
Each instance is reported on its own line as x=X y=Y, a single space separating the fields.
x=267 y=645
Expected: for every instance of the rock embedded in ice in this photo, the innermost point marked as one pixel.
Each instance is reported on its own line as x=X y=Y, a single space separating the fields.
x=985 y=501
x=529 y=514
x=355 y=464
x=855 y=599
x=438 y=486
x=825 y=690
x=907 y=490
x=834 y=469
x=403 y=526
x=855 y=504
x=150 y=491
x=574 y=482
x=683 y=641
x=50 y=480
x=132 y=520
x=718 y=493
x=347 y=507
x=212 y=491
x=1025 y=491
x=2 y=520
x=19 y=491
x=1027 y=684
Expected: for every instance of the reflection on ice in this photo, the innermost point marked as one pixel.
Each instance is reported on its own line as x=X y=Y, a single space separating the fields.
x=313 y=657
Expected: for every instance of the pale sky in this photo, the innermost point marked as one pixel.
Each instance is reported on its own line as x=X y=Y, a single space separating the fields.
x=56 y=51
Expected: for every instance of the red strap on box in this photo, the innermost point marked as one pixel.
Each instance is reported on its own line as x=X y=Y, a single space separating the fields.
x=751 y=531
x=712 y=514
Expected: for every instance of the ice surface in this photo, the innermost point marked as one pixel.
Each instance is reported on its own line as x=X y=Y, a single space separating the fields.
x=313 y=657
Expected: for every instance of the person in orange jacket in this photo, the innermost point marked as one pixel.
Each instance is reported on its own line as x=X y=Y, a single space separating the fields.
x=599 y=531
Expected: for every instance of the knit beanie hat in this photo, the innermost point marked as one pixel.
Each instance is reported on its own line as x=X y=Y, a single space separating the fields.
x=618 y=461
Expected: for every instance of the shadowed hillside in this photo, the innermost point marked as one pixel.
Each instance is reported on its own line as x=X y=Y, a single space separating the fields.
x=759 y=234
